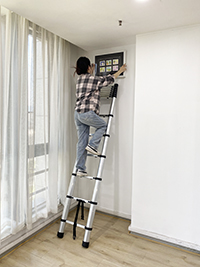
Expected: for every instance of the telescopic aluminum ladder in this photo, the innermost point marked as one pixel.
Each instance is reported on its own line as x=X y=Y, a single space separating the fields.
x=109 y=94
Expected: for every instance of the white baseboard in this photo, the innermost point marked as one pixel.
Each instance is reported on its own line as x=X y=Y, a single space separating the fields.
x=114 y=213
x=166 y=239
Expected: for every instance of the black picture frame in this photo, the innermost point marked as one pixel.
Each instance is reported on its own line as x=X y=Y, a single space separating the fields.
x=109 y=63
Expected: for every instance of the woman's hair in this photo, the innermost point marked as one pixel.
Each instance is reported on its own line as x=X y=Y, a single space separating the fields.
x=82 y=65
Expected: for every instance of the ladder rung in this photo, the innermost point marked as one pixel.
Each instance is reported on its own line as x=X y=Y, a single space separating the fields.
x=96 y=156
x=91 y=178
x=82 y=199
x=92 y=155
x=87 y=177
x=106 y=115
x=79 y=225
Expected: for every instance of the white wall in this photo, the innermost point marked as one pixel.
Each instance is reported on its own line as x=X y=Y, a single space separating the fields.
x=115 y=192
x=166 y=173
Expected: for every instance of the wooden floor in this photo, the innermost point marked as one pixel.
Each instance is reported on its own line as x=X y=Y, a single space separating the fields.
x=110 y=246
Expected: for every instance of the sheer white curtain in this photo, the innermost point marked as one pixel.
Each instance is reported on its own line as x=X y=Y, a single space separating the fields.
x=13 y=122
x=35 y=122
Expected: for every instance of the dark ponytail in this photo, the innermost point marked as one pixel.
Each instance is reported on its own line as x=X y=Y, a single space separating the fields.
x=82 y=65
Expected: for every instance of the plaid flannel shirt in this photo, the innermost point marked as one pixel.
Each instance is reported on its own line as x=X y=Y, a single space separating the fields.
x=88 y=92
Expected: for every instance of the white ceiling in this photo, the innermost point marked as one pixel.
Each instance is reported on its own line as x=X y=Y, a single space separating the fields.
x=93 y=24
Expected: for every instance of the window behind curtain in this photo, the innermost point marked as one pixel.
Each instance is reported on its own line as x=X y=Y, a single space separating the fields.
x=34 y=117
x=38 y=120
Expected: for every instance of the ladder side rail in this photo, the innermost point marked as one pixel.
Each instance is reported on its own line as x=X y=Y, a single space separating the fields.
x=97 y=182
x=67 y=203
x=105 y=144
x=108 y=126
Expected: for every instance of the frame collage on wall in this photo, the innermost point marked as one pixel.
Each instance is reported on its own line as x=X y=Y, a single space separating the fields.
x=109 y=63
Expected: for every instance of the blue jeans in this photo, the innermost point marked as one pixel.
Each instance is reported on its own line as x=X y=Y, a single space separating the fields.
x=83 y=122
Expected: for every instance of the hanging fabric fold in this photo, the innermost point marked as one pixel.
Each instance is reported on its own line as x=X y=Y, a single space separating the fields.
x=35 y=104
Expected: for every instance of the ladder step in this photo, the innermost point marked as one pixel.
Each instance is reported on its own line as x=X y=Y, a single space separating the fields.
x=103 y=135
x=92 y=155
x=91 y=178
x=87 y=177
x=106 y=115
x=79 y=225
x=96 y=156
x=82 y=199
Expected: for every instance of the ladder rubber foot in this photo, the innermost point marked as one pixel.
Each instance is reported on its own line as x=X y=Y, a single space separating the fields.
x=60 y=235
x=85 y=244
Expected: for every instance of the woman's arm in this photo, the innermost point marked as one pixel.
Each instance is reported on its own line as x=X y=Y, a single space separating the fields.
x=122 y=69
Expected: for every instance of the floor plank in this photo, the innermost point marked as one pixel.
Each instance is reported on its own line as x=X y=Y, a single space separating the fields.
x=111 y=245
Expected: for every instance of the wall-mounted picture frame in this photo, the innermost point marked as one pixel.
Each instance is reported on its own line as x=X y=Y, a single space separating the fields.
x=109 y=63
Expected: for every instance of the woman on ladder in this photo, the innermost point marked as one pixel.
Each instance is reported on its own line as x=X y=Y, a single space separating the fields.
x=87 y=110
